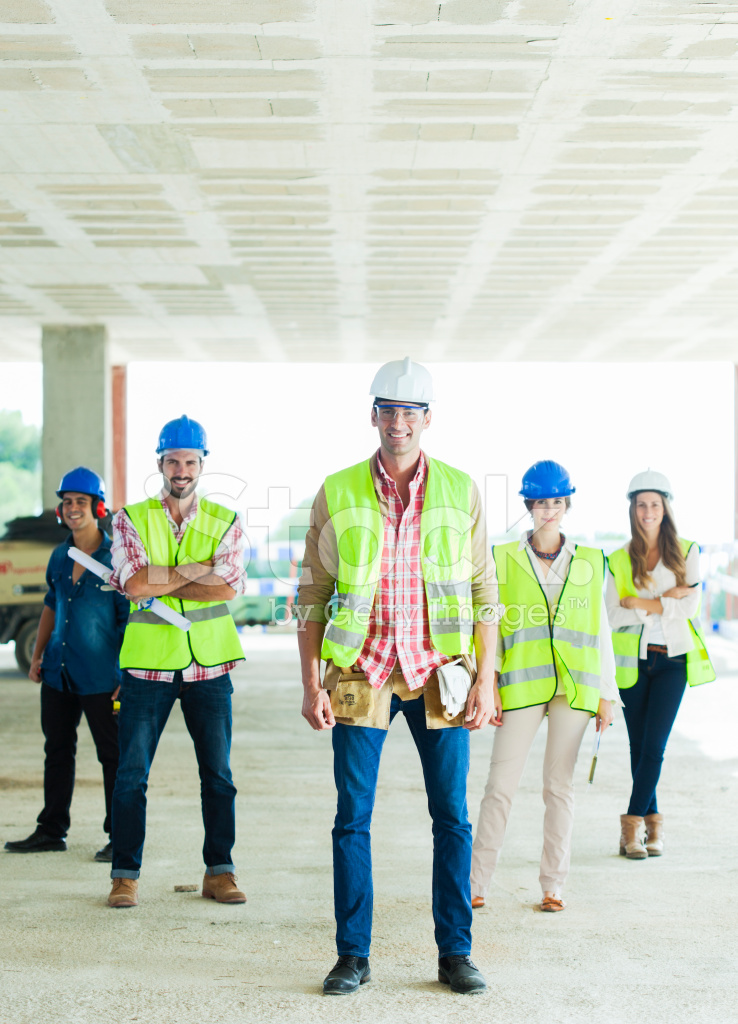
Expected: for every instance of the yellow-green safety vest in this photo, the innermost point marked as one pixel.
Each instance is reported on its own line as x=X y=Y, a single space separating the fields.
x=626 y=640
x=149 y=642
x=538 y=642
x=445 y=551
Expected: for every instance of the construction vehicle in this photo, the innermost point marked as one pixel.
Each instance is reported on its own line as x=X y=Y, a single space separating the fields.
x=28 y=542
x=24 y=553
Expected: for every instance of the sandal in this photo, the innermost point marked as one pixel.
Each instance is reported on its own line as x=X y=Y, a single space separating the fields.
x=552 y=904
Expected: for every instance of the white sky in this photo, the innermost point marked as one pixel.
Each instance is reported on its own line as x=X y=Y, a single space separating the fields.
x=287 y=425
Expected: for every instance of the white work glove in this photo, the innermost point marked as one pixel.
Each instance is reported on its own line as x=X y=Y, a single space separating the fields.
x=454 y=683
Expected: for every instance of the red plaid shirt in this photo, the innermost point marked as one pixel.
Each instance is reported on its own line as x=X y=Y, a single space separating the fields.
x=398 y=624
x=129 y=555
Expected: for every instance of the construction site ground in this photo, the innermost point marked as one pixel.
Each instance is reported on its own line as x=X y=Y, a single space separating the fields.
x=652 y=940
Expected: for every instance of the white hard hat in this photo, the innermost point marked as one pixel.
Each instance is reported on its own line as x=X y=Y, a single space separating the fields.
x=650 y=480
x=403 y=381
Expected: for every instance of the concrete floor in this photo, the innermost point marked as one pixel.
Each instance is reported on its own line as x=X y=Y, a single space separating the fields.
x=652 y=940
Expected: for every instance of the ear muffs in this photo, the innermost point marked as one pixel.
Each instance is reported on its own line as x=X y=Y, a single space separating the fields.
x=98 y=510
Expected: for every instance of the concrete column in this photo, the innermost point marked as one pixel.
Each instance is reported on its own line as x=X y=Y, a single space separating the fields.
x=735 y=452
x=77 y=404
x=117 y=491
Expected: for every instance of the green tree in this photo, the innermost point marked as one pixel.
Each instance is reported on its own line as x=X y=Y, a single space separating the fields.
x=20 y=468
x=20 y=443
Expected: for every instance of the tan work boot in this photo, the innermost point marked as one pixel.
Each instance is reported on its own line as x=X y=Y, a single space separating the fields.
x=654 y=834
x=124 y=893
x=222 y=888
x=631 y=837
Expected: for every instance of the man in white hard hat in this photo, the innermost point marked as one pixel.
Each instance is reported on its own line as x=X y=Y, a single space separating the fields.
x=397 y=556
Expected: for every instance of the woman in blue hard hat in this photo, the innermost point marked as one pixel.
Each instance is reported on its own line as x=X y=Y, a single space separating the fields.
x=554 y=657
x=653 y=603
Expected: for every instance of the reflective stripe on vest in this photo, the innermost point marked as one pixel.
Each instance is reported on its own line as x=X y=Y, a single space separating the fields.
x=626 y=640
x=445 y=552
x=527 y=675
x=571 y=636
x=212 y=639
x=536 y=644
x=213 y=611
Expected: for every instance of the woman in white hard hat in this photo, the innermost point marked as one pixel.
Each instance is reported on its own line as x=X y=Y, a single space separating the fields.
x=653 y=604
x=554 y=657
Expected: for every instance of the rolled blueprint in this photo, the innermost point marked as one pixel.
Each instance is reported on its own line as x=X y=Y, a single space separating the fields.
x=152 y=604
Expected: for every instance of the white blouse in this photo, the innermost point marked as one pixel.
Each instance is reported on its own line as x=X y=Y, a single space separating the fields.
x=552 y=584
x=672 y=627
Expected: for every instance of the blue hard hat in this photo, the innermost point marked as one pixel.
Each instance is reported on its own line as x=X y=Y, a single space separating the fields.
x=84 y=481
x=546 y=479
x=183 y=433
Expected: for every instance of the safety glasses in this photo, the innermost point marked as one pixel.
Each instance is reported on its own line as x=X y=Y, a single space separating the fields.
x=409 y=413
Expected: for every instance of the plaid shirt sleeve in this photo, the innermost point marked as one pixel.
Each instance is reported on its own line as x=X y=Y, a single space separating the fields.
x=127 y=551
x=228 y=558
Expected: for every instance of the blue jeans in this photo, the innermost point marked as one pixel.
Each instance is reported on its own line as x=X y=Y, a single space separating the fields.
x=650 y=708
x=144 y=710
x=444 y=756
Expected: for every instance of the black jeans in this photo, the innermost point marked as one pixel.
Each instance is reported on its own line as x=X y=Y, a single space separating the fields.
x=650 y=708
x=61 y=713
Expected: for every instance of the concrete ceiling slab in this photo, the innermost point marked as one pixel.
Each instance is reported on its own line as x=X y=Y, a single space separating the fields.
x=288 y=179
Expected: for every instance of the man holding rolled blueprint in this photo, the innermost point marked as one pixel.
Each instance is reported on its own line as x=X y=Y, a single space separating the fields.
x=187 y=553
x=75 y=659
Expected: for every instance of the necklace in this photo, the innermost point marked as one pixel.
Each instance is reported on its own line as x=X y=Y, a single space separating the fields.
x=546 y=555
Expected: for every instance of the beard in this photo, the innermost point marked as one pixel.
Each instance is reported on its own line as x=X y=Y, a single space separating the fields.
x=181 y=490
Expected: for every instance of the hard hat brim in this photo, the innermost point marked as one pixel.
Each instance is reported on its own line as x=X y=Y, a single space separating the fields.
x=202 y=452
x=656 y=490
x=548 y=492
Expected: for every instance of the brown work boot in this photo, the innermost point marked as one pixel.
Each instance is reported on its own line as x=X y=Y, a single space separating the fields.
x=654 y=834
x=124 y=893
x=631 y=837
x=222 y=888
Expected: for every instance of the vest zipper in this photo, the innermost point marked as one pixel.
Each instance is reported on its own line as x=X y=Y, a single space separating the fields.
x=550 y=624
x=181 y=602
x=558 y=605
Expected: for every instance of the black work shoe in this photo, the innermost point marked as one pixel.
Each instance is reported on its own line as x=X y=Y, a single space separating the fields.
x=106 y=854
x=347 y=975
x=38 y=842
x=461 y=974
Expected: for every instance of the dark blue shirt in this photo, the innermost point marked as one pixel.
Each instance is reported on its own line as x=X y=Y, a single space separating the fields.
x=88 y=628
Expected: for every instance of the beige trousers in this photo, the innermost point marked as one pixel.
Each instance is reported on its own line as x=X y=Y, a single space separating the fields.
x=512 y=743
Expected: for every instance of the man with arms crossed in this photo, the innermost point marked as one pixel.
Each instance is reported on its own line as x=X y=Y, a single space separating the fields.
x=189 y=554
x=401 y=539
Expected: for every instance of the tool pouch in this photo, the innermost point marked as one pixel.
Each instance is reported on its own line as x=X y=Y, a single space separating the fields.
x=352 y=695
x=352 y=698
